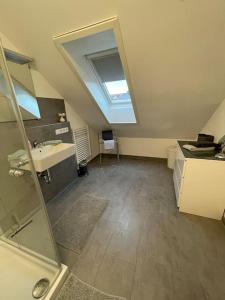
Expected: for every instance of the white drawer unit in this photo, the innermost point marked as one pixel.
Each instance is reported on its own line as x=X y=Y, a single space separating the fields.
x=176 y=188
x=178 y=173
x=199 y=185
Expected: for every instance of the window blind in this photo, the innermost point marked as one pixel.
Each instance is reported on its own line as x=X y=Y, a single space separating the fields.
x=109 y=67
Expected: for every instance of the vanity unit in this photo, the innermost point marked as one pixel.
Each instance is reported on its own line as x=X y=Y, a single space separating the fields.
x=199 y=182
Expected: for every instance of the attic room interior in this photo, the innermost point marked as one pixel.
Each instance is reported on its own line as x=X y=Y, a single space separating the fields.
x=112 y=154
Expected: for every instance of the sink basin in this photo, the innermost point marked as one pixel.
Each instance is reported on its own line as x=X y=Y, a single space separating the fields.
x=47 y=156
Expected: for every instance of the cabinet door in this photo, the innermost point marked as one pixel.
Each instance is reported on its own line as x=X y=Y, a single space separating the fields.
x=203 y=188
x=178 y=173
x=180 y=159
x=176 y=187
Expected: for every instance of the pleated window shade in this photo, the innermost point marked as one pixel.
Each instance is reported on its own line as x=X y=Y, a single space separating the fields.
x=82 y=144
x=109 y=67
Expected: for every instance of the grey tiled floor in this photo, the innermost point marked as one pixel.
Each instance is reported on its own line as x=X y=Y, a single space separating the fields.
x=142 y=248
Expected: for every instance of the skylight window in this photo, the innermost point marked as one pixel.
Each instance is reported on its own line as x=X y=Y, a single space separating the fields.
x=96 y=53
x=109 y=71
x=118 y=90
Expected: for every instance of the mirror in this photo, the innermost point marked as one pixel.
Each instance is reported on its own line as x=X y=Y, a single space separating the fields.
x=24 y=90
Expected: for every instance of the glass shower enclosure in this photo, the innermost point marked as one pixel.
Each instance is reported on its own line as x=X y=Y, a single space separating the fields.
x=27 y=247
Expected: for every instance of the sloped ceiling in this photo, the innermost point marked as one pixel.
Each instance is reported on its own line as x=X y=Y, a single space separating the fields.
x=175 y=51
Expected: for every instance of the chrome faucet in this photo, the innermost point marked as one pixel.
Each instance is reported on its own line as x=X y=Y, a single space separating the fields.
x=37 y=145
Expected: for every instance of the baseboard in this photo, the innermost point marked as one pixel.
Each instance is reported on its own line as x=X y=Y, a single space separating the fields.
x=143 y=157
x=125 y=156
x=93 y=158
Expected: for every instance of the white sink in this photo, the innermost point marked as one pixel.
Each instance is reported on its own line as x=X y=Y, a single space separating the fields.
x=47 y=156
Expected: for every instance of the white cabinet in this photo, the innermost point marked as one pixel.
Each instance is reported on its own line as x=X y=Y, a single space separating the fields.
x=199 y=186
x=178 y=173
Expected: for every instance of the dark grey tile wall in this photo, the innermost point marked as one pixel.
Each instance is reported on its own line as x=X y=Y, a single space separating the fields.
x=62 y=175
x=47 y=132
x=49 y=109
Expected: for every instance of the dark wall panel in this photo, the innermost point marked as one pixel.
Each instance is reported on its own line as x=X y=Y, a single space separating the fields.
x=47 y=132
x=49 y=109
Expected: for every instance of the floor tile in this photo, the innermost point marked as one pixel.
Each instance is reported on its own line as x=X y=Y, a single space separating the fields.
x=115 y=276
x=67 y=256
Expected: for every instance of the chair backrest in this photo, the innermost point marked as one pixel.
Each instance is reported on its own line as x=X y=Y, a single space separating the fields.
x=107 y=135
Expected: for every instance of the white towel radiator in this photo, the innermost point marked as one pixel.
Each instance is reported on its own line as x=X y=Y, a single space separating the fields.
x=82 y=144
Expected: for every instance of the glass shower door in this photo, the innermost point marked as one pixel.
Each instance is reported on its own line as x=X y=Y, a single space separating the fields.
x=23 y=218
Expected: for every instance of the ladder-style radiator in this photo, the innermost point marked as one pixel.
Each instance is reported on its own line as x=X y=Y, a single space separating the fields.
x=82 y=144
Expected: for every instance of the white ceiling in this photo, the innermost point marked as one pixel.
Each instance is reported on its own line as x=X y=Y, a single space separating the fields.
x=175 y=51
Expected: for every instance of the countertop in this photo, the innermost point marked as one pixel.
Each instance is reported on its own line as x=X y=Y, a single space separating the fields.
x=209 y=155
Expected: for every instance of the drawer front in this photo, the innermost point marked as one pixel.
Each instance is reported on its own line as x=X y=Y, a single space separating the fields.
x=180 y=164
x=177 y=178
x=180 y=159
x=177 y=170
x=176 y=188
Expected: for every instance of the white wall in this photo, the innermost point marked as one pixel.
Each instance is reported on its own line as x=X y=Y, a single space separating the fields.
x=42 y=87
x=174 y=49
x=75 y=120
x=216 y=124
x=7 y=44
x=145 y=146
x=94 y=142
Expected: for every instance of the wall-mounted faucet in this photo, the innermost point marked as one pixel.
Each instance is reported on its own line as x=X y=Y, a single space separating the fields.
x=37 y=145
x=46 y=143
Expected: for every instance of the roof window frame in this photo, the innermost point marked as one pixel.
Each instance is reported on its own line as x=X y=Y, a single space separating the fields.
x=106 y=53
x=89 y=30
